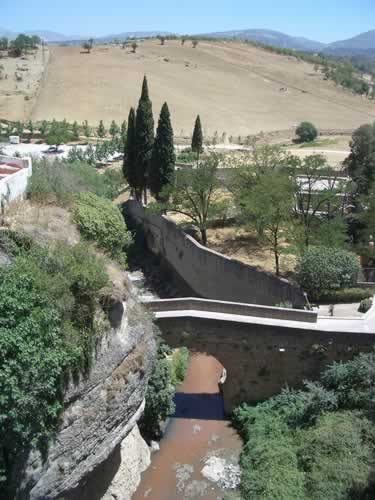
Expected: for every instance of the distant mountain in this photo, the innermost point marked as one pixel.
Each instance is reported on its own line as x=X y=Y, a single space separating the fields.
x=131 y=34
x=51 y=36
x=48 y=36
x=364 y=44
x=270 y=37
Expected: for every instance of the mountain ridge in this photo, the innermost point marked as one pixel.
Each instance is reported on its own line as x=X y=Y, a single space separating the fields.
x=363 y=43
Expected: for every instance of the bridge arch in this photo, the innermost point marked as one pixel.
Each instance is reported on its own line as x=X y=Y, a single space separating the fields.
x=261 y=354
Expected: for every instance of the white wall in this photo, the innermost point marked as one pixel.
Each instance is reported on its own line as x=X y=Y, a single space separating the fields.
x=13 y=187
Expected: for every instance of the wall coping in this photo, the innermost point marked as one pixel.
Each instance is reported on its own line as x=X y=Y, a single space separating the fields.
x=235 y=308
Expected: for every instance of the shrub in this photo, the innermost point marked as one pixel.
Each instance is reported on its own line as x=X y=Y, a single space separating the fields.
x=101 y=221
x=159 y=396
x=335 y=456
x=186 y=156
x=365 y=305
x=178 y=362
x=47 y=301
x=60 y=180
x=306 y=132
x=315 y=443
x=320 y=269
x=346 y=295
x=353 y=382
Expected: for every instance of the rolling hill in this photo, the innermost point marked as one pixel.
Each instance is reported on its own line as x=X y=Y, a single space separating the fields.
x=236 y=88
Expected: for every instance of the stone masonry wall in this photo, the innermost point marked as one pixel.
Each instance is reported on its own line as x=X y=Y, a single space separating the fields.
x=210 y=274
x=261 y=359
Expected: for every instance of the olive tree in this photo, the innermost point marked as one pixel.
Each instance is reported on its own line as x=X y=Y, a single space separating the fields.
x=195 y=194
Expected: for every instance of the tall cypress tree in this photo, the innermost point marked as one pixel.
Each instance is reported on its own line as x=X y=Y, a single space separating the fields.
x=130 y=156
x=144 y=140
x=163 y=155
x=197 y=140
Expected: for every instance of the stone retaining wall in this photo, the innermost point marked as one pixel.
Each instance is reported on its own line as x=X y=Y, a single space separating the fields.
x=208 y=273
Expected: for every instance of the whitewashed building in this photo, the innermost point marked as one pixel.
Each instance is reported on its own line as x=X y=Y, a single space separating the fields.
x=14 y=175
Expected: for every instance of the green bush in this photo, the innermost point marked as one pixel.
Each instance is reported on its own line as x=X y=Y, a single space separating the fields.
x=346 y=295
x=178 y=362
x=101 y=221
x=320 y=269
x=60 y=180
x=186 y=156
x=315 y=443
x=48 y=300
x=306 y=132
x=159 y=396
x=336 y=455
x=365 y=305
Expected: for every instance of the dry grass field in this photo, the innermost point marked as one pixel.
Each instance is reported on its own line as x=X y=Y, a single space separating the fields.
x=235 y=88
x=20 y=81
x=243 y=245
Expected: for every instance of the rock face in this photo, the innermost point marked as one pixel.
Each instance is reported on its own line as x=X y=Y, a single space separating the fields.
x=101 y=411
x=135 y=457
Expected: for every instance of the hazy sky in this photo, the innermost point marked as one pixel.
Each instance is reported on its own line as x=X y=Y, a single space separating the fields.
x=324 y=20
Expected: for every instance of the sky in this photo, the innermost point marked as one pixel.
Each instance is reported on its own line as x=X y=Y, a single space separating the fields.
x=323 y=20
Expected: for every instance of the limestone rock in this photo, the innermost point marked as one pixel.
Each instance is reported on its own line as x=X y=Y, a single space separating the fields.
x=135 y=458
x=100 y=412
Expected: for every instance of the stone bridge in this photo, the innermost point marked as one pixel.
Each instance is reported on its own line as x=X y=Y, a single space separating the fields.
x=262 y=348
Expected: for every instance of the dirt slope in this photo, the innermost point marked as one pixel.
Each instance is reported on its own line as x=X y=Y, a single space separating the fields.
x=237 y=89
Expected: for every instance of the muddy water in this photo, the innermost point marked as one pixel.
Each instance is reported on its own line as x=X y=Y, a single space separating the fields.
x=197 y=432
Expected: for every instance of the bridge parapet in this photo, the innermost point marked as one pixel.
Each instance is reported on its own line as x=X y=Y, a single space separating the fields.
x=235 y=308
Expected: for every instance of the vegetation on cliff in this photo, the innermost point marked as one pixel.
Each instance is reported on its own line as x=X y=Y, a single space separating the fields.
x=169 y=371
x=48 y=300
x=315 y=443
x=101 y=221
x=53 y=303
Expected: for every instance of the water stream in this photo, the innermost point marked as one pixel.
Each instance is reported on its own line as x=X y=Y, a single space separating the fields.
x=198 y=456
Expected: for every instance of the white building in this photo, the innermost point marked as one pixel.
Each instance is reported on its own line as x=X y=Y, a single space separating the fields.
x=14 y=175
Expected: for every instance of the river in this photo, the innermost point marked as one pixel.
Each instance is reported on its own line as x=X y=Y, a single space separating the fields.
x=197 y=435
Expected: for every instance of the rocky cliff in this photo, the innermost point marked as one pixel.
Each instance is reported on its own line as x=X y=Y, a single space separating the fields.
x=87 y=458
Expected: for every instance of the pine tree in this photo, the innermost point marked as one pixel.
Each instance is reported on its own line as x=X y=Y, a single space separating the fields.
x=101 y=129
x=114 y=129
x=86 y=129
x=197 y=140
x=163 y=155
x=75 y=131
x=130 y=157
x=122 y=137
x=123 y=130
x=144 y=140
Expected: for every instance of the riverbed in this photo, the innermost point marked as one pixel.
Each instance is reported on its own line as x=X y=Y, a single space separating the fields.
x=198 y=438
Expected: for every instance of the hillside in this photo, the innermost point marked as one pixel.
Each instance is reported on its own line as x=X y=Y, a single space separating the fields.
x=270 y=37
x=236 y=88
x=361 y=42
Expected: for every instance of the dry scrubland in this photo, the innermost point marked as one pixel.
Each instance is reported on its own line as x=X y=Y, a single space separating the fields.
x=236 y=88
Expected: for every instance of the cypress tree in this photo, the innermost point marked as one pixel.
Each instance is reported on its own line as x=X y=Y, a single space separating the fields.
x=130 y=156
x=197 y=140
x=163 y=155
x=144 y=140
